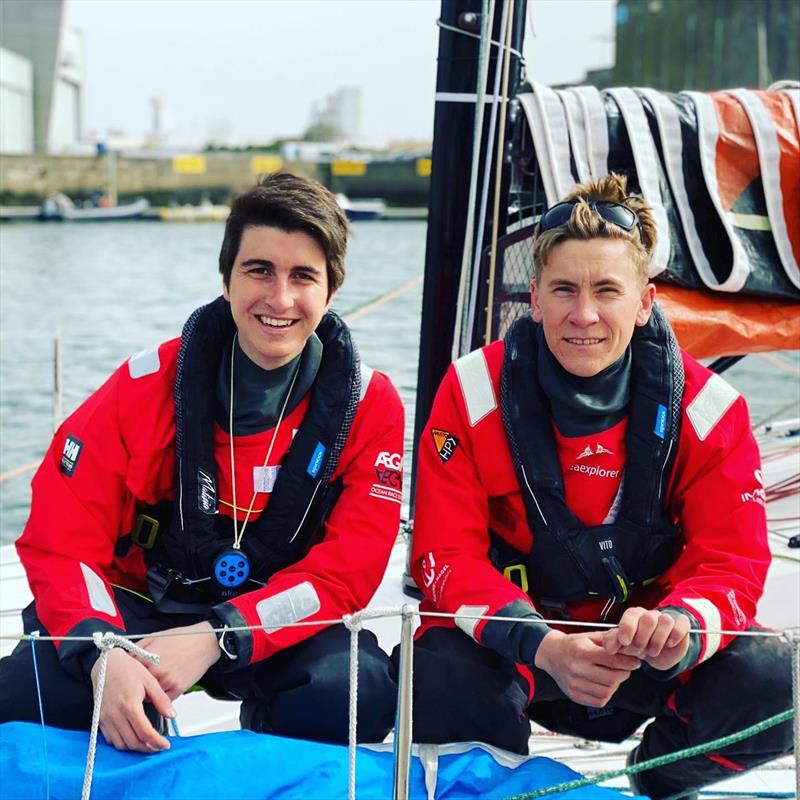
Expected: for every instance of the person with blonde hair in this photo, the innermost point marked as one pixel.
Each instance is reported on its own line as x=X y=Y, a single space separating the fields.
x=586 y=469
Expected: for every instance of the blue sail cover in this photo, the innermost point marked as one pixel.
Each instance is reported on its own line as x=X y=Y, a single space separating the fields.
x=241 y=765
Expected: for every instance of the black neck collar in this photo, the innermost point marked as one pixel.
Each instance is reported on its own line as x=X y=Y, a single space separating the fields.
x=582 y=406
x=260 y=393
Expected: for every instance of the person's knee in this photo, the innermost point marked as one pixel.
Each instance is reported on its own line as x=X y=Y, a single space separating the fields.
x=315 y=702
x=760 y=669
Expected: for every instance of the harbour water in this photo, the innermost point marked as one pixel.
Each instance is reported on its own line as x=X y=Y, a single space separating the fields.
x=112 y=289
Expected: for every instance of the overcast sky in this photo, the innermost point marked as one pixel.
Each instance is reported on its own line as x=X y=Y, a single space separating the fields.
x=250 y=70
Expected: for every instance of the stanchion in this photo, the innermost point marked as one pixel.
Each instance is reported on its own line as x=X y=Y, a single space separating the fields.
x=403 y=727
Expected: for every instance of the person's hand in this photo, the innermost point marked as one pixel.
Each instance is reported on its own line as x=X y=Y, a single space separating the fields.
x=655 y=637
x=183 y=659
x=128 y=685
x=582 y=668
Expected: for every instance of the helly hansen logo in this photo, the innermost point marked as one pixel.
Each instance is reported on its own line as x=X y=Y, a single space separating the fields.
x=70 y=455
x=206 y=493
x=445 y=444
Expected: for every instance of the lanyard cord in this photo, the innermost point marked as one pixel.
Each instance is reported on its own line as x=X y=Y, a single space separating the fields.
x=238 y=535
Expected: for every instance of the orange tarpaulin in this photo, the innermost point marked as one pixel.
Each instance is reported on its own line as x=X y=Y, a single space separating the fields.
x=712 y=324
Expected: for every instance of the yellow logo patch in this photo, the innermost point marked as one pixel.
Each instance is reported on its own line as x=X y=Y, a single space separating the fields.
x=445 y=443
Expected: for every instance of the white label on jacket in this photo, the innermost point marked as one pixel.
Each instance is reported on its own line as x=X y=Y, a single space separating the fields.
x=366 y=377
x=145 y=363
x=476 y=385
x=467 y=618
x=711 y=403
x=291 y=605
x=264 y=478
x=99 y=598
x=710 y=619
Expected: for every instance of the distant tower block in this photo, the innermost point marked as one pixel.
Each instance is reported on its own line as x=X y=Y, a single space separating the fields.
x=156 y=130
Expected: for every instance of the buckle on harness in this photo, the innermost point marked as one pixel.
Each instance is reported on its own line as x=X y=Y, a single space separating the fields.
x=518 y=571
x=144 y=532
x=619 y=580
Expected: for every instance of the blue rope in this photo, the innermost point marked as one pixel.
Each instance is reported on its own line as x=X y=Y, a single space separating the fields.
x=174 y=723
x=34 y=636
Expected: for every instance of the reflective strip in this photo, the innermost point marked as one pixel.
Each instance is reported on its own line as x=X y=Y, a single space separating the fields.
x=461 y=97
x=707 y=135
x=366 y=377
x=669 y=128
x=710 y=405
x=469 y=624
x=291 y=605
x=769 y=160
x=476 y=386
x=573 y=111
x=750 y=222
x=596 y=128
x=710 y=619
x=145 y=363
x=646 y=160
x=99 y=597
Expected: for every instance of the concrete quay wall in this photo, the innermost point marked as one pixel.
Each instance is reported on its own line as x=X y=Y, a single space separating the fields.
x=29 y=179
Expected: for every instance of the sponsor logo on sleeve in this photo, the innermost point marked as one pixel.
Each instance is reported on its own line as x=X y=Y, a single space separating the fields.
x=206 y=493
x=388 y=477
x=70 y=455
x=435 y=576
x=757 y=494
x=445 y=444
x=738 y=614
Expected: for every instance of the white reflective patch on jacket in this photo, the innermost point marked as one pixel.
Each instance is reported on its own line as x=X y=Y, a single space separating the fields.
x=99 y=598
x=476 y=386
x=709 y=619
x=710 y=405
x=291 y=605
x=145 y=363
x=366 y=377
x=467 y=618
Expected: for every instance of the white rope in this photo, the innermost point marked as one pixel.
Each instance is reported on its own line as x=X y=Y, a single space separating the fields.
x=354 y=623
x=393 y=611
x=105 y=642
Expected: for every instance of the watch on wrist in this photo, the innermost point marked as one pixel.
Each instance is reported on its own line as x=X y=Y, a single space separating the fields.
x=227 y=643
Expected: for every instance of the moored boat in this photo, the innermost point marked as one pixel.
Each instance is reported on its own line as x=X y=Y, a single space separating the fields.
x=59 y=208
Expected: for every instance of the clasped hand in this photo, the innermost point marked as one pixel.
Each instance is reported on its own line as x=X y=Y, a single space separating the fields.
x=590 y=667
x=183 y=660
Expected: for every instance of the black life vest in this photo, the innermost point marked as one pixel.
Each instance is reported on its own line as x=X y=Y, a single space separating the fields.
x=568 y=560
x=194 y=534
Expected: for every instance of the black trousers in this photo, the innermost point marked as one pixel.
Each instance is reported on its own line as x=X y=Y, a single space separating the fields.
x=302 y=692
x=463 y=692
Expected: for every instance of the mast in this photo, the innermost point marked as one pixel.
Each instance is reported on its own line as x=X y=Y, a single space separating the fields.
x=454 y=121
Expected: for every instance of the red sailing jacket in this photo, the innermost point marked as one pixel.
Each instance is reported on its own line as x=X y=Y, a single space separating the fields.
x=467 y=486
x=115 y=455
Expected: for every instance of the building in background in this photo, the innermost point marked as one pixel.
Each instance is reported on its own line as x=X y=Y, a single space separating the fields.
x=340 y=118
x=675 y=44
x=41 y=78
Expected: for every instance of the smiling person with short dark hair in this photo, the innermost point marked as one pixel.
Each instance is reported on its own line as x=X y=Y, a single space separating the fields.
x=234 y=478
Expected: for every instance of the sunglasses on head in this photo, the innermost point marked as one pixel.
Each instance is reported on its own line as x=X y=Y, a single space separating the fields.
x=612 y=212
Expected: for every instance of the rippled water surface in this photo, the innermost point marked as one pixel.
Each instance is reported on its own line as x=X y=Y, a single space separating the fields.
x=113 y=289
